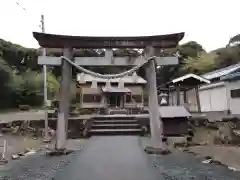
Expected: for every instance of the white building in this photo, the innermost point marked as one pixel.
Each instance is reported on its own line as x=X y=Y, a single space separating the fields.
x=223 y=94
x=220 y=97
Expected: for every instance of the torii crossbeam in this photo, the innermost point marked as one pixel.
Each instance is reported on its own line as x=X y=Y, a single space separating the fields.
x=69 y=43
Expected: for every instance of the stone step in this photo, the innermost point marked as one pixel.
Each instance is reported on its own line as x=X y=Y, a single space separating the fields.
x=115 y=117
x=113 y=121
x=115 y=126
x=114 y=131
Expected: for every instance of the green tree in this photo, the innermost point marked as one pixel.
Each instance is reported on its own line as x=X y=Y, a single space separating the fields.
x=53 y=84
x=199 y=65
x=5 y=77
x=227 y=56
x=18 y=57
x=191 y=49
x=235 y=40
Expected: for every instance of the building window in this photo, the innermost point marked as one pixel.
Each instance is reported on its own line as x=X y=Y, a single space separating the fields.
x=137 y=98
x=97 y=98
x=90 y=98
x=235 y=93
x=128 y=98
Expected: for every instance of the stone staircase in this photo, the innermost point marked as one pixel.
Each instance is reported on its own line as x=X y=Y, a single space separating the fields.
x=115 y=125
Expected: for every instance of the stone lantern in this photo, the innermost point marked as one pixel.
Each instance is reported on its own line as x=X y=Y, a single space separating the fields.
x=163 y=99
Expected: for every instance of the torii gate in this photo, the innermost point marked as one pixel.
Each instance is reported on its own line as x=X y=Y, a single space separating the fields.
x=69 y=43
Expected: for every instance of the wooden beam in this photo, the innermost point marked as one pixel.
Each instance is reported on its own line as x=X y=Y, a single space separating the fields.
x=105 y=61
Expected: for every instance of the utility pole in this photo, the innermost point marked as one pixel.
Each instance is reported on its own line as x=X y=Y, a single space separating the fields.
x=45 y=84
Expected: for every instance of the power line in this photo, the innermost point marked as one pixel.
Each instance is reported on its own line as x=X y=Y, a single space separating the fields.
x=19 y=4
x=26 y=10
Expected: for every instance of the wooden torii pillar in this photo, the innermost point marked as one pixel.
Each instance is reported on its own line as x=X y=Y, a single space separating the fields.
x=68 y=43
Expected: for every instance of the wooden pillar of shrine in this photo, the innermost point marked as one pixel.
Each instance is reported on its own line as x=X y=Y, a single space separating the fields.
x=198 y=99
x=178 y=94
x=65 y=93
x=185 y=96
x=155 y=120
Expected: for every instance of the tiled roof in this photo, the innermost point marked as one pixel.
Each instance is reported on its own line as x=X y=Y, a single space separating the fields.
x=221 y=72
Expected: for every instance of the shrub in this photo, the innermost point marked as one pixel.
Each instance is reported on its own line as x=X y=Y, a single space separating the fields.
x=164 y=139
x=190 y=133
x=189 y=139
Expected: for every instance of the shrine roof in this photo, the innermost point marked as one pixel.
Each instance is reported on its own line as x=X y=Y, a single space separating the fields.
x=187 y=81
x=190 y=79
x=61 y=41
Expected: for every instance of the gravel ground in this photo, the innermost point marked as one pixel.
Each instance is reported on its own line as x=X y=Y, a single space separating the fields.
x=228 y=155
x=171 y=167
x=176 y=166
x=182 y=166
x=185 y=166
x=16 y=144
x=37 y=167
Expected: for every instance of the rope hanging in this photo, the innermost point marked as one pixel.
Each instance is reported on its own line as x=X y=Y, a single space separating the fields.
x=108 y=76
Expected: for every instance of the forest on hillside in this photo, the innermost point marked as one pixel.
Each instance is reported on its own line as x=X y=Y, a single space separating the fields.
x=22 y=79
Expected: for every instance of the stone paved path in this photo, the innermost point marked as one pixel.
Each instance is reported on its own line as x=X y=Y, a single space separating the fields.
x=110 y=158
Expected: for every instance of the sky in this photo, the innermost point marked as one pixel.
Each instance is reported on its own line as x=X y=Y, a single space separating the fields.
x=209 y=22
